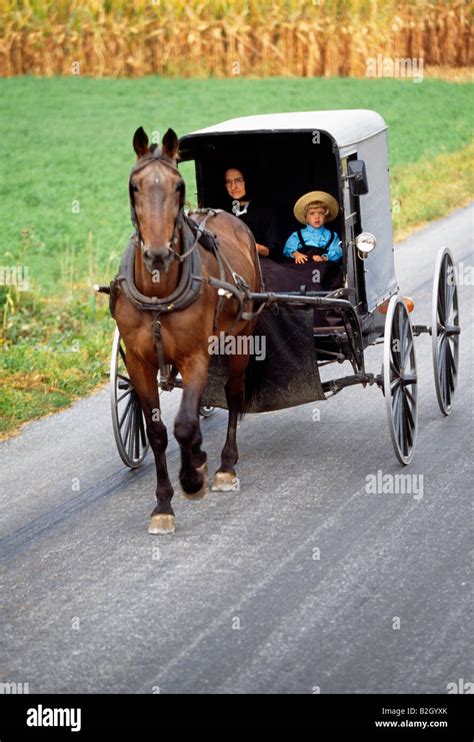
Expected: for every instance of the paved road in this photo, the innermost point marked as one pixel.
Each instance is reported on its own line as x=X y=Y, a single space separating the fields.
x=237 y=601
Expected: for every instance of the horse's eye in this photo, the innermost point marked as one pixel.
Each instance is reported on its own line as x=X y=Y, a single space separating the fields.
x=180 y=187
x=134 y=187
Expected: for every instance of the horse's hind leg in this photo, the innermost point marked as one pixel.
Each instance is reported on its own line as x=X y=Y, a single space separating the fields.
x=225 y=478
x=144 y=382
x=193 y=472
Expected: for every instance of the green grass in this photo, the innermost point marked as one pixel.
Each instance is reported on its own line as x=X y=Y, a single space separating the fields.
x=60 y=352
x=68 y=140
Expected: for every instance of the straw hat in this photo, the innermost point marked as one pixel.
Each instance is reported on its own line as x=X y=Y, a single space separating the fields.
x=327 y=200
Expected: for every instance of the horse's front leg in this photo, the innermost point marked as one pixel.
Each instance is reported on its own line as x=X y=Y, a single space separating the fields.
x=193 y=473
x=225 y=478
x=144 y=382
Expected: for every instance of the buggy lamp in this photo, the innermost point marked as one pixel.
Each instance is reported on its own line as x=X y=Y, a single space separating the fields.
x=409 y=303
x=365 y=243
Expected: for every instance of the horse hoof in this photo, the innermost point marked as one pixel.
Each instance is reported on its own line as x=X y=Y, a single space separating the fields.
x=203 y=491
x=224 y=481
x=161 y=524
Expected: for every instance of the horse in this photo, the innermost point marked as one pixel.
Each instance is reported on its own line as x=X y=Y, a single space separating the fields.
x=179 y=338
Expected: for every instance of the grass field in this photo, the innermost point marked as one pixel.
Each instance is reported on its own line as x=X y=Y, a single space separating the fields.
x=66 y=154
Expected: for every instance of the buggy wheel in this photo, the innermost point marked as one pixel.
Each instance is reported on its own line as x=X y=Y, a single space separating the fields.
x=127 y=416
x=445 y=330
x=400 y=380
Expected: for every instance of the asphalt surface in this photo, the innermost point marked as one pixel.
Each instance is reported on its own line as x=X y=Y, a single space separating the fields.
x=302 y=579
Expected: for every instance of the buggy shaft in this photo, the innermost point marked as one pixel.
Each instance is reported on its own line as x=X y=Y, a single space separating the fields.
x=317 y=301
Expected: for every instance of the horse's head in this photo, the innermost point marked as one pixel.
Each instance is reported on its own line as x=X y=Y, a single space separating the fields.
x=157 y=197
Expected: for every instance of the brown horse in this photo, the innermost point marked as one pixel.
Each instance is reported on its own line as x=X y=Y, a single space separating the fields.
x=157 y=199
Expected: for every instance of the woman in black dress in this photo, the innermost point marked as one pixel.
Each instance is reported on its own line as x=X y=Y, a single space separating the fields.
x=259 y=219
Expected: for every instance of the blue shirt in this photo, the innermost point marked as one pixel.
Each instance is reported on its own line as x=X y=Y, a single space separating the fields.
x=317 y=236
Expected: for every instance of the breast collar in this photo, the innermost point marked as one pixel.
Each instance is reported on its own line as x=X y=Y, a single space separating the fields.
x=187 y=290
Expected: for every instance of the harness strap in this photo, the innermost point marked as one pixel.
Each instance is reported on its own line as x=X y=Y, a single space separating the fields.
x=222 y=263
x=158 y=343
x=185 y=293
x=305 y=246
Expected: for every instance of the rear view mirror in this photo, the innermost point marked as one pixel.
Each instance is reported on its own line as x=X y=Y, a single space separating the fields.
x=357 y=177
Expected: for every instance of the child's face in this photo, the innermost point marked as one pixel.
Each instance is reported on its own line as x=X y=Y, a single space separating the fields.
x=315 y=217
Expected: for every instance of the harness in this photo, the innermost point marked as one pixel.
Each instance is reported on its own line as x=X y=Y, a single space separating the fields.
x=190 y=234
x=312 y=249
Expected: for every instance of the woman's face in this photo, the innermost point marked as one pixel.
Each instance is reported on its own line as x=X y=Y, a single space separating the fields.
x=235 y=183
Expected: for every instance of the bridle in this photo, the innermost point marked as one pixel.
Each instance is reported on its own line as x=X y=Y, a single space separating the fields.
x=154 y=156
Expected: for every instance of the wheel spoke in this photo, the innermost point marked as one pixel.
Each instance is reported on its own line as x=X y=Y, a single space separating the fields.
x=407 y=351
x=445 y=290
x=443 y=283
x=445 y=384
x=404 y=427
x=142 y=430
x=448 y=389
x=441 y=299
x=441 y=352
x=124 y=378
x=138 y=414
x=125 y=412
x=396 y=342
x=125 y=394
x=451 y=364
x=402 y=331
x=450 y=290
x=393 y=385
x=128 y=425
x=393 y=368
x=131 y=438
x=396 y=421
x=395 y=396
x=399 y=414
x=409 y=412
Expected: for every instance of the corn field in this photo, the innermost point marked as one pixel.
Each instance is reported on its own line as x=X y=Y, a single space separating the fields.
x=221 y=38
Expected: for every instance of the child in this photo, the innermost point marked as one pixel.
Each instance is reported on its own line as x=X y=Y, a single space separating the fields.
x=314 y=209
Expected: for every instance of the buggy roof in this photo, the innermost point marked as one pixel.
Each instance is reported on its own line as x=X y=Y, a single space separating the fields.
x=346 y=127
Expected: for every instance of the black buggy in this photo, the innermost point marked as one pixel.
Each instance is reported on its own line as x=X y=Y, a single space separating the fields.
x=334 y=320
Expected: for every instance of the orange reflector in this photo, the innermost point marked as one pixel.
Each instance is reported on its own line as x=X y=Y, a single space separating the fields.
x=409 y=303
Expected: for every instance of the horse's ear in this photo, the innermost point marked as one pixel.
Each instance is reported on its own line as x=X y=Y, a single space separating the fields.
x=140 y=142
x=170 y=144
